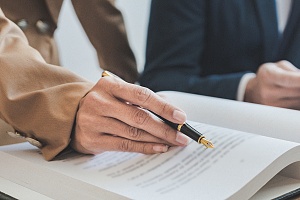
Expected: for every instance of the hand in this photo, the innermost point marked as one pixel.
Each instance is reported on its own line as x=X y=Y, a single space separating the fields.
x=275 y=84
x=109 y=120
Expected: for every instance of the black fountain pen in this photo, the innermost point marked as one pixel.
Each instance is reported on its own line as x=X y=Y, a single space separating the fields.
x=189 y=131
x=185 y=128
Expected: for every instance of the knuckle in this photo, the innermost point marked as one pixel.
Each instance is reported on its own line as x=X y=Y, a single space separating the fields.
x=266 y=68
x=134 y=133
x=143 y=94
x=167 y=133
x=266 y=75
x=109 y=83
x=263 y=66
x=141 y=117
x=103 y=82
x=126 y=145
x=165 y=108
x=284 y=62
x=116 y=85
x=145 y=148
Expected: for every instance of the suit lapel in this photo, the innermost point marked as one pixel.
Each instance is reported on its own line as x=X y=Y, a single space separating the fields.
x=290 y=30
x=54 y=7
x=267 y=15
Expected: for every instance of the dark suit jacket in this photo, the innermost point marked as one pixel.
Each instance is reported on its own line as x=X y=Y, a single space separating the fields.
x=206 y=46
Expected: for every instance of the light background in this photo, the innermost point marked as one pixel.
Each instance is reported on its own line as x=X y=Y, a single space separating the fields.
x=77 y=53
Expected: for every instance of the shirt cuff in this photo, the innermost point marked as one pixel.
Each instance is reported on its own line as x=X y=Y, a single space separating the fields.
x=242 y=86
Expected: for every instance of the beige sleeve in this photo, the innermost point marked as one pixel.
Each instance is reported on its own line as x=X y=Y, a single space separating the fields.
x=37 y=99
x=104 y=26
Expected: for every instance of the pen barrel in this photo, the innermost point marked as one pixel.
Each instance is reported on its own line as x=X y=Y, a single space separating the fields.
x=173 y=125
x=185 y=128
x=189 y=131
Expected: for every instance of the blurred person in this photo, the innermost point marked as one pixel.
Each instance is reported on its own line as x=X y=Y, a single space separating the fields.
x=238 y=49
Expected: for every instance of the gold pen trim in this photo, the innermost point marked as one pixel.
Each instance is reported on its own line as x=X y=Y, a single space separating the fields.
x=107 y=73
x=205 y=142
x=200 y=138
x=179 y=127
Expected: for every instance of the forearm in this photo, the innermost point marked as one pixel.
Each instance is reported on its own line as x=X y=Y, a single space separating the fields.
x=223 y=86
x=39 y=100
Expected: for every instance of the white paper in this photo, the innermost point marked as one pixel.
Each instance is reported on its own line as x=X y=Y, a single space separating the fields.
x=239 y=160
x=252 y=118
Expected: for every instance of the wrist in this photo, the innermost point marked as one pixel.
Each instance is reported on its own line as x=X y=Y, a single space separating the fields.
x=249 y=90
x=243 y=84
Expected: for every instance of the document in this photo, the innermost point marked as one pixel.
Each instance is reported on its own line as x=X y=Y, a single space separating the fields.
x=237 y=168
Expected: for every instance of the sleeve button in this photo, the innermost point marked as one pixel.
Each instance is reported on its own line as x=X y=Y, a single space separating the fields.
x=43 y=27
x=14 y=134
x=23 y=24
x=34 y=142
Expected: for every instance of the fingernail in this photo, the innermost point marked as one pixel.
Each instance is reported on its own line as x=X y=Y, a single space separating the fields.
x=179 y=115
x=181 y=138
x=161 y=149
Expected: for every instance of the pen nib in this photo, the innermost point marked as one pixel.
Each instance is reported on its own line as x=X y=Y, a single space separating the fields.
x=206 y=143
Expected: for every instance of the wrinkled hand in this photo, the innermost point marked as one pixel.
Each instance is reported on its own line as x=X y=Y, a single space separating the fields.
x=275 y=84
x=109 y=120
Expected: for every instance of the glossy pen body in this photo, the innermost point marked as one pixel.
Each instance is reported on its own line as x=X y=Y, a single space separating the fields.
x=189 y=131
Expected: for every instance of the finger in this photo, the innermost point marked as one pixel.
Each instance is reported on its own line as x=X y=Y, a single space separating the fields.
x=145 y=98
x=286 y=65
x=110 y=107
x=121 y=129
x=112 y=143
x=288 y=79
x=288 y=93
x=94 y=140
x=288 y=102
x=292 y=103
x=144 y=120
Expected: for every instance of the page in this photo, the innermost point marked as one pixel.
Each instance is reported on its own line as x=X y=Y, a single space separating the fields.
x=253 y=118
x=45 y=181
x=17 y=191
x=238 y=166
x=276 y=187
